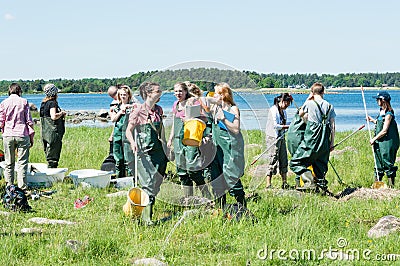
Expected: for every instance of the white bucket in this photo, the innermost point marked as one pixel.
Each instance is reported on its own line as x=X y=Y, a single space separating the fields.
x=39 y=175
x=91 y=178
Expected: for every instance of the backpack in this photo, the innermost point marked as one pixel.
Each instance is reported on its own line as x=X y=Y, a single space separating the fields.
x=15 y=199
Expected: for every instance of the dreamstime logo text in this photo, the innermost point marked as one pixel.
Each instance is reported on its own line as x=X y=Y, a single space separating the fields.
x=339 y=252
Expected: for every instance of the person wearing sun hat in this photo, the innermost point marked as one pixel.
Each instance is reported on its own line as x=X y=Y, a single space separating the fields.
x=52 y=120
x=386 y=139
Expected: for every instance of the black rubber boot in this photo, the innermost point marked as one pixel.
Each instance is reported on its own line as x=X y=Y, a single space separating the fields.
x=241 y=199
x=221 y=202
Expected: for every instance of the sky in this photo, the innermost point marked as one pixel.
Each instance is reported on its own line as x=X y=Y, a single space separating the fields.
x=47 y=39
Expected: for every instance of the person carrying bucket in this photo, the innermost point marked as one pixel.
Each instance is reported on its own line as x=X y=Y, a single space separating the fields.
x=386 y=139
x=119 y=115
x=146 y=120
x=275 y=136
x=318 y=140
x=187 y=157
x=228 y=165
x=207 y=150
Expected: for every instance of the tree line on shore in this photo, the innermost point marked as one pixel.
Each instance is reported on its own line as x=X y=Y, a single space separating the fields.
x=207 y=77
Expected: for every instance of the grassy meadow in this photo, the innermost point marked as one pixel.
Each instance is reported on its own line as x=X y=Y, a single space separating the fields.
x=287 y=223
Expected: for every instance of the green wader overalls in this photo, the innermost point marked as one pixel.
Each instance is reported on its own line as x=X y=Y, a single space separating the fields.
x=151 y=164
x=188 y=163
x=121 y=149
x=386 y=149
x=314 y=150
x=295 y=136
x=295 y=133
x=227 y=166
x=52 y=134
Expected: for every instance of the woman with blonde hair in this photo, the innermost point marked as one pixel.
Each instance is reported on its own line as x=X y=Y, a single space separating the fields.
x=228 y=164
x=119 y=115
x=52 y=120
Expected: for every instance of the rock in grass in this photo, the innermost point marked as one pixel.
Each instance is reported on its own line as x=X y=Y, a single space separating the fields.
x=73 y=244
x=149 y=261
x=31 y=231
x=386 y=225
x=369 y=193
x=40 y=220
x=5 y=213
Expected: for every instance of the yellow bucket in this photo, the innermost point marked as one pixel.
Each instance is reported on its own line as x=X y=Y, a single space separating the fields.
x=137 y=201
x=301 y=183
x=193 y=132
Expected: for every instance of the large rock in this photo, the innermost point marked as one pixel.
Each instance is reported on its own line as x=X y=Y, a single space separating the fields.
x=386 y=225
x=103 y=113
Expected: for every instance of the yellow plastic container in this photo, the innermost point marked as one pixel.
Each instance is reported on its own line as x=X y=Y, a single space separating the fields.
x=137 y=201
x=193 y=132
x=301 y=183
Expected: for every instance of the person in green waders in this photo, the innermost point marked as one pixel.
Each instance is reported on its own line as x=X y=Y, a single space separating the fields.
x=146 y=122
x=317 y=142
x=228 y=165
x=52 y=120
x=386 y=139
x=119 y=115
x=187 y=158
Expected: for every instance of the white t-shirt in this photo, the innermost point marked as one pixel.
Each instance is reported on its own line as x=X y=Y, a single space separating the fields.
x=274 y=126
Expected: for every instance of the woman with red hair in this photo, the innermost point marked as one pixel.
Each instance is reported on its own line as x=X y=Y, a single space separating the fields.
x=228 y=164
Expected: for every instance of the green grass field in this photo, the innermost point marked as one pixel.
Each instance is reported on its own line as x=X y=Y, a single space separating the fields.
x=289 y=226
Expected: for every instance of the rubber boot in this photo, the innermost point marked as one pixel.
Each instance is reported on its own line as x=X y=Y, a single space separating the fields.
x=241 y=199
x=285 y=185
x=188 y=191
x=391 y=181
x=147 y=214
x=221 y=202
x=308 y=180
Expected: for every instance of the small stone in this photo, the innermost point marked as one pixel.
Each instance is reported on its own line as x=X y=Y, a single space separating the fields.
x=40 y=220
x=32 y=230
x=386 y=225
x=73 y=244
x=149 y=261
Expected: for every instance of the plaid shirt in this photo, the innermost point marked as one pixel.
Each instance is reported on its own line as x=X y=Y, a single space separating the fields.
x=15 y=117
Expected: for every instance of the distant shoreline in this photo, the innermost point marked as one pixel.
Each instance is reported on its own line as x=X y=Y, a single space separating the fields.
x=306 y=91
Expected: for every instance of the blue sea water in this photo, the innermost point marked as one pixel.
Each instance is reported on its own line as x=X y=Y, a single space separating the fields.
x=348 y=106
